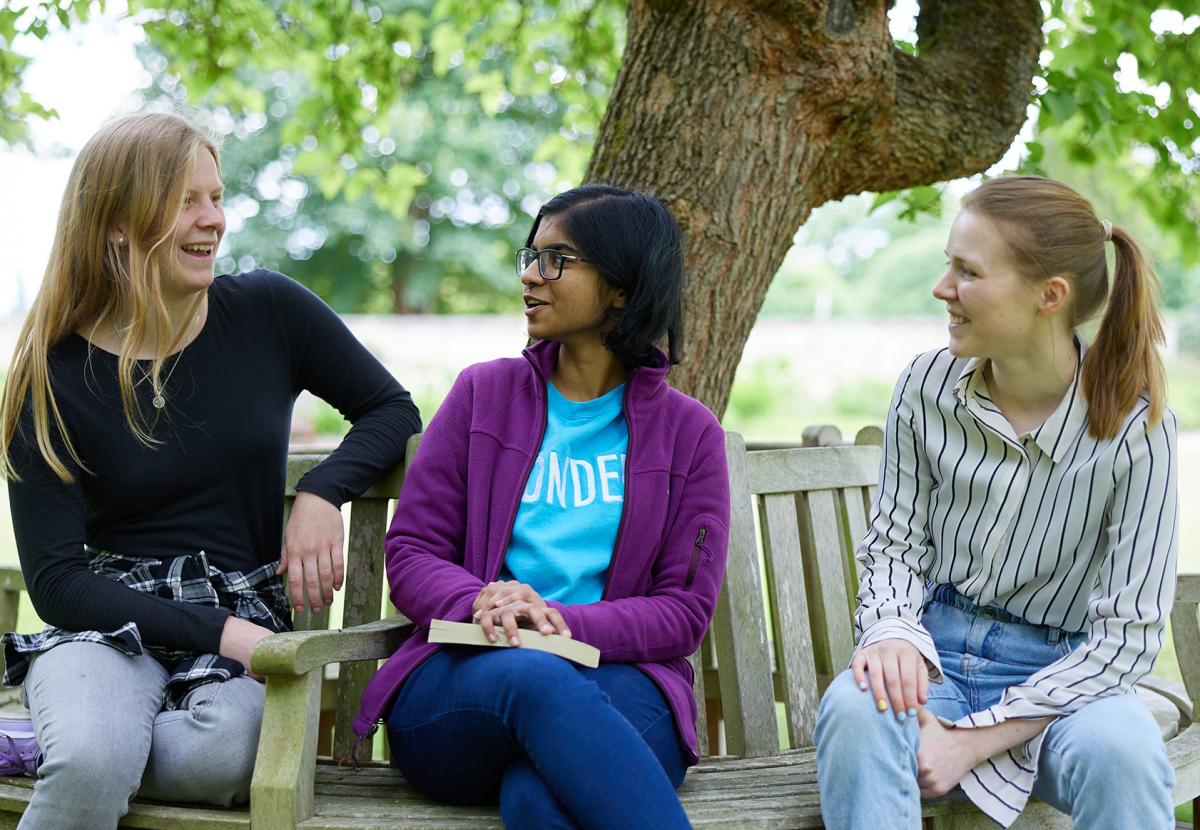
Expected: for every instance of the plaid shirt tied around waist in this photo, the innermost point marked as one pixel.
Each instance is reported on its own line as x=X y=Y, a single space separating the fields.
x=257 y=595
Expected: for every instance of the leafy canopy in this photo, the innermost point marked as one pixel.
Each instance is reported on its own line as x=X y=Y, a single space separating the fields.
x=1119 y=83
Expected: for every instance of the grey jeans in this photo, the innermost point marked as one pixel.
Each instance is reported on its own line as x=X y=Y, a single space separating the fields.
x=96 y=713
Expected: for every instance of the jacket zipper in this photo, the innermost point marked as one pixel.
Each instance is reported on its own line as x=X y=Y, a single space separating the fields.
x=625 y=498
x=697 y=549
x=512 y=522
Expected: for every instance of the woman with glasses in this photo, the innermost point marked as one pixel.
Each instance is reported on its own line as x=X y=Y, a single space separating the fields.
x=571 y=491
x=1020 y=567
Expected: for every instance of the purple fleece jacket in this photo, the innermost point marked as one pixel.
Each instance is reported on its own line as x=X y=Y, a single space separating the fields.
x=460 y=499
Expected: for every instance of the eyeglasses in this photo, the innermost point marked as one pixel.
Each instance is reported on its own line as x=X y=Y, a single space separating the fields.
x=550 y=262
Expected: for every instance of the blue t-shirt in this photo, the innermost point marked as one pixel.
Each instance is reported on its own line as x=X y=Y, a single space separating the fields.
x=562 y=540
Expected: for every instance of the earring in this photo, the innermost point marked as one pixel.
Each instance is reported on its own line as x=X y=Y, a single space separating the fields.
x=120 y=240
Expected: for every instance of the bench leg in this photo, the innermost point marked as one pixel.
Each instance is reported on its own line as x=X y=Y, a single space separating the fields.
x=281 y=793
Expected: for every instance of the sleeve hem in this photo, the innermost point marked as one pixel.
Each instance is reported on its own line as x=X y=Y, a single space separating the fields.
x=913 y=634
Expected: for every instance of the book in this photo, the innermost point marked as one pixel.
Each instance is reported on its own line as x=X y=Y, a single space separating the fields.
x=471 y=634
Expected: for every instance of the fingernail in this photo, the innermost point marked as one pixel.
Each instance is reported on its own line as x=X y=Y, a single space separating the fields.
x=492 y=637
x=912 y=713
x=881 y=705
x=475 y=616
x=862 y=687
x=900 y=716
x=513 y=639
x=566 y=632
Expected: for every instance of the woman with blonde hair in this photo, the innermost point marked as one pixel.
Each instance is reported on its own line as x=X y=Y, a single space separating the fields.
x=144 y=432
x=1020 y=566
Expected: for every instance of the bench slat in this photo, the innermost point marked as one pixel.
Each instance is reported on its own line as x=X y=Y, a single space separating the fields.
x=827 y=592
x=740 y=628
x=812 y=468
x=1187 y=588
x=790 y=613
x=856 y=523
x=298 y=464
x=697 y=663
x=363 y=604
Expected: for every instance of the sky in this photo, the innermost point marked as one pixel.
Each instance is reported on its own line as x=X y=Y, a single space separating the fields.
x=88 y=75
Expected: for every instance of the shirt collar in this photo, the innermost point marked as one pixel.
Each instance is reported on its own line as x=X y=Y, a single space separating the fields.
x=1055 y=436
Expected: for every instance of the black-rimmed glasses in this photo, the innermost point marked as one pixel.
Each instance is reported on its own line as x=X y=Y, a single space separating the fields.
x=550 y=262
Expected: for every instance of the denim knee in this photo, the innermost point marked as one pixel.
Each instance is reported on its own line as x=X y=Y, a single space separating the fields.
x=850 y=713
x=90 y=764
x=205 y=752
x=527 y=673
x=1113 y=743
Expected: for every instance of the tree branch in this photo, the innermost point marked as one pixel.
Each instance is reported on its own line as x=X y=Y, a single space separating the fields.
x=955 y=108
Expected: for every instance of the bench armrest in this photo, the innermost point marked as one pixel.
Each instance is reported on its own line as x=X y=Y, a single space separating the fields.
x=281 y=794
x=1185 y=633
x=294 y=653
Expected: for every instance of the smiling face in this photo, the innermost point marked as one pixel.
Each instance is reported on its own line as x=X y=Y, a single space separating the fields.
x=571 y=309
x=993 y=309
x=193 y=245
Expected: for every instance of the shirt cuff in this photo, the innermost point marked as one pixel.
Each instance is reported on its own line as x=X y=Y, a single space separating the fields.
x=894 y=628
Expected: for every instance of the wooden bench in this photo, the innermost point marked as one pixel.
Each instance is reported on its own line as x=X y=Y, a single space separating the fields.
x=782 y=629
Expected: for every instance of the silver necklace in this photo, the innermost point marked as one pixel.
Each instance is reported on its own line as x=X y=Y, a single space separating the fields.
x=159 y=400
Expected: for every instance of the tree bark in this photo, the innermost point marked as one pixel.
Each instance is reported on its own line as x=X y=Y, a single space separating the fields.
x=744 y=115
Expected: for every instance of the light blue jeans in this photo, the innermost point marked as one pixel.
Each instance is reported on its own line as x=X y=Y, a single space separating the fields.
x=96 y=713
x=1103 y=765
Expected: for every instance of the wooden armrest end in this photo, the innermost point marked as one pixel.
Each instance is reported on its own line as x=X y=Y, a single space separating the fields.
x=11 y=579
x=299 y=652
x=1187 y=589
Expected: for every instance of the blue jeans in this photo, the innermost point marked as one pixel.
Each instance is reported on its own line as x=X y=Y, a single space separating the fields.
x=556 y=744
x=1104 y=764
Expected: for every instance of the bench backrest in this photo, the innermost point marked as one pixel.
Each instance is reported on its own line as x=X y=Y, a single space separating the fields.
x=783 y=623
x=782 y=626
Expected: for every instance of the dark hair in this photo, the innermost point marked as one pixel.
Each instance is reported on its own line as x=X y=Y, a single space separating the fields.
x=1052 y=231
x=635 y=244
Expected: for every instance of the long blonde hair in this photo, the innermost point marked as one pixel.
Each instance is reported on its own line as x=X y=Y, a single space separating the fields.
x=133 y=173
x=1053 y=230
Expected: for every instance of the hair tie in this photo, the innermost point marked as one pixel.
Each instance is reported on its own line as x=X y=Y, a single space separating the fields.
x=1107 y=226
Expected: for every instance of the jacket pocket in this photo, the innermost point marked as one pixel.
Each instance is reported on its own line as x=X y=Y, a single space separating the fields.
x=698 y=551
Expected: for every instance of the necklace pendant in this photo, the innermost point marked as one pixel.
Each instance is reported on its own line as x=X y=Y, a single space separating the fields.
x=159 y=401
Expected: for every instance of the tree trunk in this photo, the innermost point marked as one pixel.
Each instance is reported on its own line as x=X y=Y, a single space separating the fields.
x=744 y=116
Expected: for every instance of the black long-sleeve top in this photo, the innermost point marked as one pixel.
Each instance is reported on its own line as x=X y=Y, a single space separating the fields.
x=215 y=480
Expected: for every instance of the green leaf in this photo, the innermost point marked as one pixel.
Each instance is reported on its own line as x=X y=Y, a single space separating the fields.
x=882 y=199
x=1060 y=105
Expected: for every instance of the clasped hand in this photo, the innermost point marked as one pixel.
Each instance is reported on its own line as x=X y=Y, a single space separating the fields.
x=514 y=605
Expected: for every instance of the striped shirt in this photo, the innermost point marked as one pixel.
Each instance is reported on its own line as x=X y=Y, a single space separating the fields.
x=1053 y=526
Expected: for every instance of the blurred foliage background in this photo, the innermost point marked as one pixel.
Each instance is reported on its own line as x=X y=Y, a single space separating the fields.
x=389 y=153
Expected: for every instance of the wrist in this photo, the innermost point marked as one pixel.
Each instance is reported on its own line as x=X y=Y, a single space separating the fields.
x=973 y=744
x=309 y=496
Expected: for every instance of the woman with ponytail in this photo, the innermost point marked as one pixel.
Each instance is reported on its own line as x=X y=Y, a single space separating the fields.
x=144 y=434
x=1020 y=566
x=571 y=491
